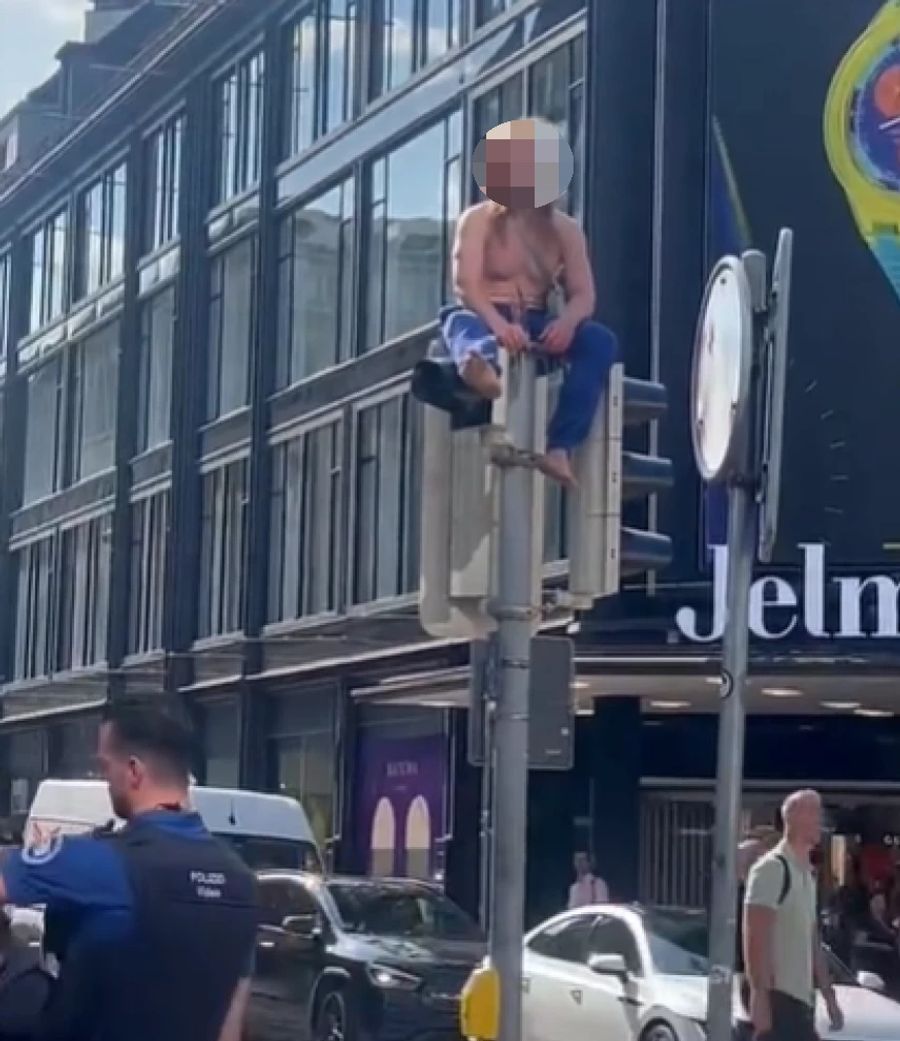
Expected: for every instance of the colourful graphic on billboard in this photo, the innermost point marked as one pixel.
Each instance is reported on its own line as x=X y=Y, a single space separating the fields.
x=400 y=805
x=805 y=133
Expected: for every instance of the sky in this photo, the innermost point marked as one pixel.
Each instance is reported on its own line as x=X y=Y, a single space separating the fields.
x=31 y=32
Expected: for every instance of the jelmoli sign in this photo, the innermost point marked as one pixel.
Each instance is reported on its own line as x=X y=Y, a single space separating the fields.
x=778 y=608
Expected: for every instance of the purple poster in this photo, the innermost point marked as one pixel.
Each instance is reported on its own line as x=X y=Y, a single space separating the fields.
x=400 y=802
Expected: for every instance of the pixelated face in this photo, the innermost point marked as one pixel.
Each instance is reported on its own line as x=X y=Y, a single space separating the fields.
x=523 y=164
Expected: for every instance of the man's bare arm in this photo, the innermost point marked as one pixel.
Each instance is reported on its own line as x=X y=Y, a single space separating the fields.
x=468 y=265
x=758 y=922
x=233 y=1027
x=581 y=296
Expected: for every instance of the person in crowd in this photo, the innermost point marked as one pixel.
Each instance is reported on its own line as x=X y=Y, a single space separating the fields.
x=513 y=253
x=159 y=918
x=24 y=986
x=783 y=953
x=588 y=888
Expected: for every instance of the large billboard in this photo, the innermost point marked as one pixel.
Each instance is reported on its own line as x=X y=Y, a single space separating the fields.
x=805 y=133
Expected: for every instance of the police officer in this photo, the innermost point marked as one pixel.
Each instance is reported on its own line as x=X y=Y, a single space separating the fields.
x=159 y=917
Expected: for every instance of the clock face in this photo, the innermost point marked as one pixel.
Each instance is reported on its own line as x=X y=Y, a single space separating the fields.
x=875 y=120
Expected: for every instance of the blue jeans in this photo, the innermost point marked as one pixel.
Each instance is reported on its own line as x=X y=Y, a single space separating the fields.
x=587 y=362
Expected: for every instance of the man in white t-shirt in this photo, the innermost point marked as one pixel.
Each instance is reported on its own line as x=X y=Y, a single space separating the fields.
x=588 y=888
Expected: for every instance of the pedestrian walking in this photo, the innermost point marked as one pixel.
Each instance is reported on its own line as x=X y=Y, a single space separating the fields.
x=588 y=888
x=155 y=923
x=783 y=955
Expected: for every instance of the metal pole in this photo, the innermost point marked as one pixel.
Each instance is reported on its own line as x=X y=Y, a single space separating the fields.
x=742 y=515
x=514 y=612
x=489 y=701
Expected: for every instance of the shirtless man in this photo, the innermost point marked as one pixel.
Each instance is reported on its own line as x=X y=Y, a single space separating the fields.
x=508 y=257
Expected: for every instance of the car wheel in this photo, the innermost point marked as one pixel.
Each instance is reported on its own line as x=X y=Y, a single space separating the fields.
x=658 y=1032
x=334 y=1019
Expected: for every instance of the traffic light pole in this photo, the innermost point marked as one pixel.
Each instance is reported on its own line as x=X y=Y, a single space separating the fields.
x=514 y=612
x=742 y=546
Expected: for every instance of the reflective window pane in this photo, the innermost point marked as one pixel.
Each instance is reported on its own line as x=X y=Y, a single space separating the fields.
x=155 y=388
x=231 y=324
x=44 y=403
x=387 y=484
x=149 y=546
x=316 y=265
x=239 y=99
x=410 y=231
x=95 y=392
x=163 y=173
x=101 y=232
x=224 y=498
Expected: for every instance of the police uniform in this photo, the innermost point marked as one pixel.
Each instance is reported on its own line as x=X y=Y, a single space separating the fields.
x=159 y=921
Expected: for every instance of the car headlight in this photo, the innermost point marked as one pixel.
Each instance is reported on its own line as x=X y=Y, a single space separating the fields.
x=386 y=977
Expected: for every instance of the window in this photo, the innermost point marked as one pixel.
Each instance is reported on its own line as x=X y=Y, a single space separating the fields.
x=101 y=232
x=85 y=557
x=155 y=386
x=315 y=285
x=222 y=550
x=386 y=513
x=414 y=199
x=48 y=270
x=43 y=430
x=280 y=899
x=321 y=64
x=566 y=940
x=163 y=165
x=239 y=106
x=5 y=271
x=408 y=34
x=94 y=392
x=613 y=936
x=149 y=544
x=556 y=92
x=231 y=321
x=303 y=545
x=35 y=565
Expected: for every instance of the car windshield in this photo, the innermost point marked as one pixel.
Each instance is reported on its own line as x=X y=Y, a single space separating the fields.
x=678 y=942
x=267 y=854
x=386 y=909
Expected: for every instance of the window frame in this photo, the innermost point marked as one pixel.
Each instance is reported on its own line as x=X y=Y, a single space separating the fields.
x=208 y=577
x=148 y=595
x=412 y=442
x=155 y=217
x=335 y=421
x=6 y=329
x=91 y=625
x=111 y=269
x=218 y=296
x=292 y=144
x=347 y=325
x=47 y=310
x=440 y=119
x=147 y=351
x=238 y=173
x=75 y=362
x=60 y=360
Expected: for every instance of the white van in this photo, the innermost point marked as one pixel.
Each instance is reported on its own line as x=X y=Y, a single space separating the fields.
x=268 y=831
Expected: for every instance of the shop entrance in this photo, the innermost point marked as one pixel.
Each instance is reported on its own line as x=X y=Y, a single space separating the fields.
x=861 y=843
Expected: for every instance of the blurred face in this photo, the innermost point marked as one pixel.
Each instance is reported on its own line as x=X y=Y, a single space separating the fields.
x=125 y=774
x=805 y=825
x=510 y=172
x=582 y=864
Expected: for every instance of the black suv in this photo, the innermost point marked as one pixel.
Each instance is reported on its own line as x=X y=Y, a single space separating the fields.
x=358 y=959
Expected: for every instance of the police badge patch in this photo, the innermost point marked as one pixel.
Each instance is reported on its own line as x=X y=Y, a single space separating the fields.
x=42 y=848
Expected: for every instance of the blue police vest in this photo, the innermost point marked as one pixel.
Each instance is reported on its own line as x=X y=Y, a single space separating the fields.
x=170 y=970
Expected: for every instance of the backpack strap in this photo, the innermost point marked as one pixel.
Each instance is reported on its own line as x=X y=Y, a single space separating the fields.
x=786 y=883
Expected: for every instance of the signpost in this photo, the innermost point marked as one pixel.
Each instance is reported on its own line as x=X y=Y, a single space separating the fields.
x=737 y=428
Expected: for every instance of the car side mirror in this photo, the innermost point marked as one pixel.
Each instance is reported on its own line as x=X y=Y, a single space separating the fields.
x=608 y=965
x=871 y=981
x=303 y=926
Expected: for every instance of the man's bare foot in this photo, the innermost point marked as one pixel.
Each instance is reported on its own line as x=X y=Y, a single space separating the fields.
x=557 y=466
x=481 y=376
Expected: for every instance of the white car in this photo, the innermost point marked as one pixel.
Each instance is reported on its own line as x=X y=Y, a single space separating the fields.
x=634 y=974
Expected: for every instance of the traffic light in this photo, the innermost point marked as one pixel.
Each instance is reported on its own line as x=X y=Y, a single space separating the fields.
x=601 y=550
x=460 y=501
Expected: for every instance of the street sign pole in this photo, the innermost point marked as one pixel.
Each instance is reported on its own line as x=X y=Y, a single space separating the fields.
x=515 y=613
